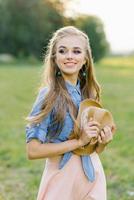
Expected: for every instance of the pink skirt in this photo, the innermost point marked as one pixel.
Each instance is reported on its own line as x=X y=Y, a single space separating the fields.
x=70 y=182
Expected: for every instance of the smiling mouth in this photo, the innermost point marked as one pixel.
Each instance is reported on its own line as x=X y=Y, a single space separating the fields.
x=69 y=63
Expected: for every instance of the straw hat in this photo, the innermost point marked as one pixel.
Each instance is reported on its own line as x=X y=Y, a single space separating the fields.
x=91 y=109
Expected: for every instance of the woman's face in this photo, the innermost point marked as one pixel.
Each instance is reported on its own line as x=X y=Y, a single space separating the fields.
x=70 y=55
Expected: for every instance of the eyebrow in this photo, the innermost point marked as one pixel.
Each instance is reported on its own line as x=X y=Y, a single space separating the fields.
x=66 y=47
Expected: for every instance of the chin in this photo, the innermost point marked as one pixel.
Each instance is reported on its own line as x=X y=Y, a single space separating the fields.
x=69 y=72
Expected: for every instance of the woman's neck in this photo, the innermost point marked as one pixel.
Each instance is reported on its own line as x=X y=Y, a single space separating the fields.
x=71 y=79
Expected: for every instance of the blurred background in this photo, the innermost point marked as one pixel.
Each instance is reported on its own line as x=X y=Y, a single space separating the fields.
x=25 y=29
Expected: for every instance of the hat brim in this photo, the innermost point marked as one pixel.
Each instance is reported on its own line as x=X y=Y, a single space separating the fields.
x=85 y=104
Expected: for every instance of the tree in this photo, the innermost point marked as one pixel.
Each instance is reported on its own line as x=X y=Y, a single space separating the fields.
x=26 y=26
x=94 y=28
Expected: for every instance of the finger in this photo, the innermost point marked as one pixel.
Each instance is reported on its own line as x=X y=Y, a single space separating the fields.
x=94 y=128
x=92 y=134
x=99 y=139
x=102 y=135
x=107 y=129
x=108 y=133
x=93 y=123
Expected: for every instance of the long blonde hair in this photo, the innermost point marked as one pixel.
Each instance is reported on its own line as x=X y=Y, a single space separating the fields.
x=58 y=98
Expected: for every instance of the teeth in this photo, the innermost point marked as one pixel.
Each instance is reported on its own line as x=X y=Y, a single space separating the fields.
x=69 y=63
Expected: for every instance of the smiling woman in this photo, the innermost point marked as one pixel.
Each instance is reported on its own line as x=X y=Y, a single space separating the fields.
x=70 y=79
x=70 y=56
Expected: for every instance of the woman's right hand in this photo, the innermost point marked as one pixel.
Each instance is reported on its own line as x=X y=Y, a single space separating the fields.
x=89 y=130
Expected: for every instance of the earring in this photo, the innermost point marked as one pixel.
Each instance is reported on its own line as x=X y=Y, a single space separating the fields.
x=58 y=73
x=84 y=74
x=83 y=71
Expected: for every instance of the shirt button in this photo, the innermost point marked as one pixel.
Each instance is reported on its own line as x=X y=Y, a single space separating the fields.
x=38 y=124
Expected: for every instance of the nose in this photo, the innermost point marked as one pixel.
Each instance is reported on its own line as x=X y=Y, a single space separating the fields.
x=69 y=55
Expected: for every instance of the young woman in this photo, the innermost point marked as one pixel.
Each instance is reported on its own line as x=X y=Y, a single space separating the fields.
x=68 y=79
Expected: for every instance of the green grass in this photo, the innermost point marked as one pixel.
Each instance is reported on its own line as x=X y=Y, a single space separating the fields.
x=19 y=177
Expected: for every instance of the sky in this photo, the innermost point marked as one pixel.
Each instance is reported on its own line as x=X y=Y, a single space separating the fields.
x=117 y=17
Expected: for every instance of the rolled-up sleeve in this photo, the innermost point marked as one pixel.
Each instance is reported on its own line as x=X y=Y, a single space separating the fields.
x=38 y=131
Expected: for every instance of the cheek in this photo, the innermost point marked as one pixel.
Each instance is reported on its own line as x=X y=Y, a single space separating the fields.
x=82 y=59
x=59 y=59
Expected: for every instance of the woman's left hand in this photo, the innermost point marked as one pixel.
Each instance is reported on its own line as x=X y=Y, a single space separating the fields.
x=105 y=135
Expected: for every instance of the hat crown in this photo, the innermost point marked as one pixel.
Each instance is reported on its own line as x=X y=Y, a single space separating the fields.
x=100 y=115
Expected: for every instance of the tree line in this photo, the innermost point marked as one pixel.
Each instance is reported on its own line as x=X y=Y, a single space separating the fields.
x=27 y=26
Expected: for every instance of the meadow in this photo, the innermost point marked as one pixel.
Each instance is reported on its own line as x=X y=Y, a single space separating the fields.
x=20 y=177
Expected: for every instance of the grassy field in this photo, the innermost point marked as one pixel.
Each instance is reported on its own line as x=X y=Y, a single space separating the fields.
x=19 y=177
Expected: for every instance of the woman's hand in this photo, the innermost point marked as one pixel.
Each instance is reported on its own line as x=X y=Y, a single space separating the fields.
x=105 y=135
x=89 y=130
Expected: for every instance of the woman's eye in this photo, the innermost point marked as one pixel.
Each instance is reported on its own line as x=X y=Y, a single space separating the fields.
x=62 y=51
x=77 y=51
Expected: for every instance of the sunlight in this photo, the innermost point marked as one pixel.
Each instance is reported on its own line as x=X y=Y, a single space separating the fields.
x=117 y=17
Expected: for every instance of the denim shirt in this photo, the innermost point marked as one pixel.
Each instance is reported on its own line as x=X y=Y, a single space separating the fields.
x=40 y=130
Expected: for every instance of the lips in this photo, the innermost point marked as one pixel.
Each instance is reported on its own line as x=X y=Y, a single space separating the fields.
x=69 y=63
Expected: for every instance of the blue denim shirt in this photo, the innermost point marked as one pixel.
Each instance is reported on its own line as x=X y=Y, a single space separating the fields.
x=40 y=130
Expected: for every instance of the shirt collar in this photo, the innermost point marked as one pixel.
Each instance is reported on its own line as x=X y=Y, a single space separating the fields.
x=71 y=87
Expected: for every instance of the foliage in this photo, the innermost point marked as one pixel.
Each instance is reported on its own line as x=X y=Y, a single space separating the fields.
x=26 y=26
x=94 y=28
